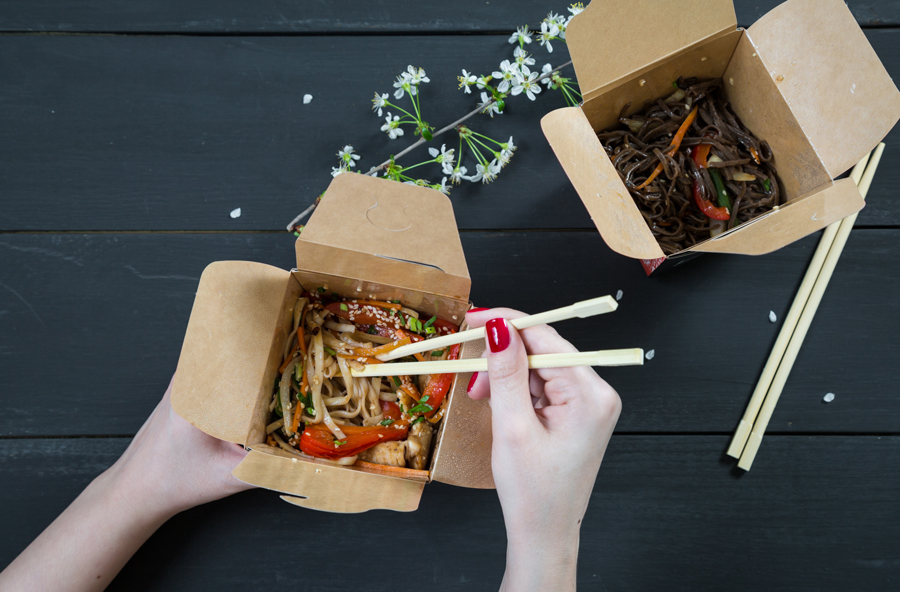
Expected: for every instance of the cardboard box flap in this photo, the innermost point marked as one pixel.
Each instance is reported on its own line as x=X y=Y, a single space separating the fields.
x=827 y=71
x=799 y=218
x=326 y=487
x=381 y=230
x=598 y=184
x=463 y=453
x=614 y=39
x=229 y=347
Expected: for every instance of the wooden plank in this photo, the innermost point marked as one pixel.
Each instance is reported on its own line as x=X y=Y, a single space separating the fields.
x=399 y=16
x=816 y=513
x=173 y=133
x=92 y=325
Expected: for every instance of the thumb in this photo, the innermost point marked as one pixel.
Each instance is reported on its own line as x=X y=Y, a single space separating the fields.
x=507 y=372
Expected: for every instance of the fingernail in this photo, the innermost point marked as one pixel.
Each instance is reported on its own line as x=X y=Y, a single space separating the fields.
x=497 y=334
x=472 y=381
x=476 y=309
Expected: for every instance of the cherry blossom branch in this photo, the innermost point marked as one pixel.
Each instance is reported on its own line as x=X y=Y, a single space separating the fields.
x=374 y=170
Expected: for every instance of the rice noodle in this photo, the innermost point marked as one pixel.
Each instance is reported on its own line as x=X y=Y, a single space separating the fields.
x=339 y=326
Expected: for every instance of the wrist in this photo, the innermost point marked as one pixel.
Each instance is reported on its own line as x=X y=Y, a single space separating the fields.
x=541 y=560
x=134 y=503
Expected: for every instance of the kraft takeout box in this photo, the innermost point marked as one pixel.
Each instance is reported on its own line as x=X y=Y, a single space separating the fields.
x=368 y=238
x=803 y=77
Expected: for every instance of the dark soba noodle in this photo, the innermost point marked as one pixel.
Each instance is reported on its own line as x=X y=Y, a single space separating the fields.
x=641 y=142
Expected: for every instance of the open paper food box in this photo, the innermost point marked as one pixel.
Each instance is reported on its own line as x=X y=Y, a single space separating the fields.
x=803 y=77
x=365 y=240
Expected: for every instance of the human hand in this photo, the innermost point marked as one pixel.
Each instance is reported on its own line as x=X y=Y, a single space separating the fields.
x=550 y=431
x=171 y=466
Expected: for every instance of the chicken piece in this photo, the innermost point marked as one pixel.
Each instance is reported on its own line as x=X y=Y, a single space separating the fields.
x=386 y=453
x=418 y=443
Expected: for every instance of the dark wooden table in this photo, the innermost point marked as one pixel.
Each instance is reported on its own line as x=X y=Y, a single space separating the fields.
x=131 y=130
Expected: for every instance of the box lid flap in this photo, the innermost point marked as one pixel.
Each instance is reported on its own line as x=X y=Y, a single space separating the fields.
x=226 y=349
x=403 y=235
x=828 y=73
x=797 y=219
x=598 y=184
x=463 y=455
x=602 y=53
x=323 y=486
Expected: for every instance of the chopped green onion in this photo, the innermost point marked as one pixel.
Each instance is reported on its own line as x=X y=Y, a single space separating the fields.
x=424 y=399
x=372 y=330
x=430 y=330
x=330 y=351
x=437 y=352
x=395 y=302
x=396 y=380
x=387 y=422
x=393 y=312
x=344 y=307
x=419 y=419
x=421 y=408
x=430 y=321
x=320 y=289
x=767 y=185
x=339 y=443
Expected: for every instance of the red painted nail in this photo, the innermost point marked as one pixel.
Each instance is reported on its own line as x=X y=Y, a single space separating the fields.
x=476 y=309
x=472 y=381
x=497 y=334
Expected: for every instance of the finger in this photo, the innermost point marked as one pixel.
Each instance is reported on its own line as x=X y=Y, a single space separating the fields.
x=477 y=317
x=508 y=375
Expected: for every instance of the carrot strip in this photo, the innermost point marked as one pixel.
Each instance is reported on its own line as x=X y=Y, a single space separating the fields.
x=676 y=142
x=288 y=359
x=378 y=303
x=368 y=352
x=420 y=357
x=297 y=413
x=397 y=471
x=755 y=154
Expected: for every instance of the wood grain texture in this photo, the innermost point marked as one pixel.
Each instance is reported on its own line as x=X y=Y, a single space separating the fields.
x=666 y=514
x=173 y=133
x=108 y=312
x=342 y=16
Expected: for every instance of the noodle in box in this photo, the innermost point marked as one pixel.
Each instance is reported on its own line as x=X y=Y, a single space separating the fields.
x=697 y=136
x=268 y=356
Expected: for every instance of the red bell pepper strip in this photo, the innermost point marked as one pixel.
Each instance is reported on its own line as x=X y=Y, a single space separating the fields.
x=439 y=384
x=317 y=439
x=700 y=154
x=390 y=410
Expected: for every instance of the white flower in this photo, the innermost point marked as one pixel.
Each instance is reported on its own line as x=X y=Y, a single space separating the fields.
x=504 y=158
x=379 y=102
x=466 y=80
x=509 y=146
x=347 y=157
x=404 y=84
x=544 y=71
x=506 y=74
x=335 y=171
x=442 y=187
x=547 y=35
x=522 y=58
x=526 y=83
x=415 y=75
x=458 y=174
x=522 y=35
x=482 y=82
x=488 y=106
x=488 y=173
x=576 y=8
x=445 y=157
x=552 y=21
x=392 y=127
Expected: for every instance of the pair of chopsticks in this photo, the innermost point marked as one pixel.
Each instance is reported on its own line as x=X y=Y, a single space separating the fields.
x=581 y=310
x=748 y=436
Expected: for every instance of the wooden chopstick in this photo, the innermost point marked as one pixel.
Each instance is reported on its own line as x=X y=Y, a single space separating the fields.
x=587 y=308
x=809 y=311
x=787 y=329
x=612 y=357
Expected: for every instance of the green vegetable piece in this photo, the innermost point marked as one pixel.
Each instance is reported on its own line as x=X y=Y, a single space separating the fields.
x=437 y=352
x=330 y=351
x=430 y=321
x=430 y=330
x=344 y=307
x=340 y=443
x=387 y=422
x=767 y=185
x=723 y=199
x=419 y=419
x=421 y=408
x=320 y=290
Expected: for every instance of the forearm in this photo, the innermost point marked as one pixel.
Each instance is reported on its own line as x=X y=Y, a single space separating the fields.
x=541 y=562
x=87 y=545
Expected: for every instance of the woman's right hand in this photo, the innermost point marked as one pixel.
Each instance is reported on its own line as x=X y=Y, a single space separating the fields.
x=550 y=431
